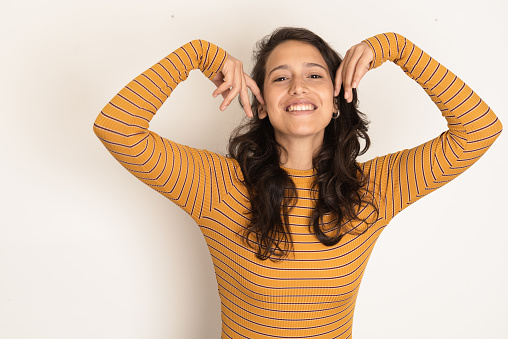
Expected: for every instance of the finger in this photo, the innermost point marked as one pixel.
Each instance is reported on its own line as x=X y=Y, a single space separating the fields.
x=362 y=67
x=251 y=84
x=218 y=78
x=338 y=80
x=233 y=92
x=244 y=98
x=222 y=89
x=236 y=86
x=351 y=68
x=344 y=66
x=218 y=91
x=225 y=93
x=217 y=82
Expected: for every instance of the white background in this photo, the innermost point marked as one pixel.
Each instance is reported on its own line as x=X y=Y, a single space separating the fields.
x=86 y=251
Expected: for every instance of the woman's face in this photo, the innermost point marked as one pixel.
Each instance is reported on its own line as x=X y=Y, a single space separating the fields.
x=298 y=92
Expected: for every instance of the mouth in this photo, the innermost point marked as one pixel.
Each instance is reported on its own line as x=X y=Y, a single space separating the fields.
x=300 y=107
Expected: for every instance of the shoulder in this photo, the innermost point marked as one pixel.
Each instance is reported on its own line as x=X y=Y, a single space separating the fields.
x=377 y=167
x=224 y=167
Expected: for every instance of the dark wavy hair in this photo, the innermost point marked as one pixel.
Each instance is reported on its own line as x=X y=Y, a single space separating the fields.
x=339 y=179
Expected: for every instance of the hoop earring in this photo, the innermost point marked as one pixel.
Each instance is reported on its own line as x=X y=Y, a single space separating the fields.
x=335 y=114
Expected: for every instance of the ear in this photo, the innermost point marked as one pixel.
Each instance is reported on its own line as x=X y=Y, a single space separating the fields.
x=262 y=112
x=336 y=104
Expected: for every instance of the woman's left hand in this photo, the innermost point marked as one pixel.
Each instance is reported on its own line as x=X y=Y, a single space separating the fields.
x=352 y=69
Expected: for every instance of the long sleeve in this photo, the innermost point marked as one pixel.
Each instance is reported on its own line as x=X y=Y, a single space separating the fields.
x=402 y=178
x=183 y=174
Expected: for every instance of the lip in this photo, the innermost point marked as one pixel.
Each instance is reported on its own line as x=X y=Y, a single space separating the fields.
x=300 y=102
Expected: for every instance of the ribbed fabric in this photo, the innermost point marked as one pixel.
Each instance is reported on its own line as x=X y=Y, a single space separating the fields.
x=312 y=293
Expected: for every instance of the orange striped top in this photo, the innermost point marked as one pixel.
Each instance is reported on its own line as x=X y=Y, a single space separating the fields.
x=311 y=293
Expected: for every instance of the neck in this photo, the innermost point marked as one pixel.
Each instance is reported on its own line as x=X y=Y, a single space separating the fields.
x=299 y=152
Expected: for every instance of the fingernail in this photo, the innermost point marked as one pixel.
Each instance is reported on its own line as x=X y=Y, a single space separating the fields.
x=346 y=95
x=354 y=84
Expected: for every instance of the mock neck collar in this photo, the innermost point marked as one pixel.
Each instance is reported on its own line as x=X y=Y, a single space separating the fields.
x=301 y=176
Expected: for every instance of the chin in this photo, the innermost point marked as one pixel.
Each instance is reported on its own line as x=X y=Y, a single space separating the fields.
x=306 y=132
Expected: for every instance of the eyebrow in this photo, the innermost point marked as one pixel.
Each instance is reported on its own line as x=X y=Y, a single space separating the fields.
x=307 y=64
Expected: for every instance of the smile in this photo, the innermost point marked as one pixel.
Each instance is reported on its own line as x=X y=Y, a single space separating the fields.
x=300 y=107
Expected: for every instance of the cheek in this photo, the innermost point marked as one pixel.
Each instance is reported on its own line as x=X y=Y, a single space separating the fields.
x=271 y=99
x=330 y=97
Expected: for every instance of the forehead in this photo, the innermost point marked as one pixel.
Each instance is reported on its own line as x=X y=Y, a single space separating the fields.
x=294 y=53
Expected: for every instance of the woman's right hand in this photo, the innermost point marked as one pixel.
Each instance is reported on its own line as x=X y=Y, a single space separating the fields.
x=232 y=81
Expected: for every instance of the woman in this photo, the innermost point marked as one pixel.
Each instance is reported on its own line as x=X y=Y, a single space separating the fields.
x=290 y=218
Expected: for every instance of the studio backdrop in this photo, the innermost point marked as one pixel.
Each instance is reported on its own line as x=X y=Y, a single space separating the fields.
x=87 y=251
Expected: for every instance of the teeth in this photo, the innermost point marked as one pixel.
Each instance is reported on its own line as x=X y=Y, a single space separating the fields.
x=293 y=108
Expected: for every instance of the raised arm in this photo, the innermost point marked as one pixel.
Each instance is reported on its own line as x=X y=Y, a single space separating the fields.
x=401 y=178
x=182 y=174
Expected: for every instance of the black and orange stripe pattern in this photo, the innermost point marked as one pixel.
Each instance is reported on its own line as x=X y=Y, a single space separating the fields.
x=312 y=293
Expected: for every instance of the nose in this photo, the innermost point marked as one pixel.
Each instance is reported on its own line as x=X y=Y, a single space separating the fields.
x=298 y=86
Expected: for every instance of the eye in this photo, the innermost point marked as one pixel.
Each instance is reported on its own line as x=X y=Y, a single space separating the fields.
x=278 y=79
x=315 y=76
